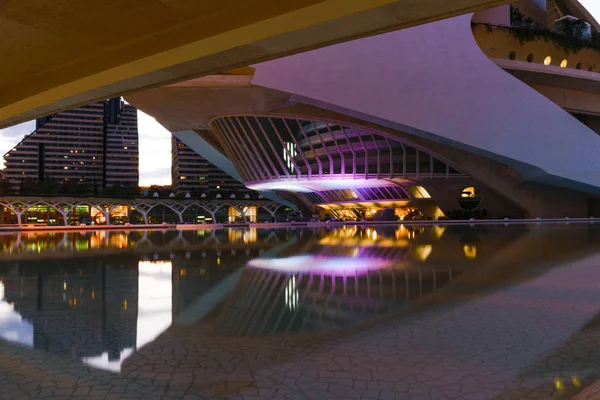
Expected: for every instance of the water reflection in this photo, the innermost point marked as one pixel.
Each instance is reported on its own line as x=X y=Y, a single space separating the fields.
x=102 y=310
x=32 y=245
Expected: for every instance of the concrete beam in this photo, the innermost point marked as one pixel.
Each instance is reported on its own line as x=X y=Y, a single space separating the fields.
x=61 y=56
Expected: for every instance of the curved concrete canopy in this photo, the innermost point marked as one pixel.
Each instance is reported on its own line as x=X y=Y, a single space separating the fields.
x=447 y=91
x=62 y=54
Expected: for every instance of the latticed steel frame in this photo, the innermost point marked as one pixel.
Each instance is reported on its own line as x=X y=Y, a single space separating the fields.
x=267 y=148
x=383 y=193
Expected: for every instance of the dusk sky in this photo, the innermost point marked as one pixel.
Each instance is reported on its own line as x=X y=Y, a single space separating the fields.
x=155 y=141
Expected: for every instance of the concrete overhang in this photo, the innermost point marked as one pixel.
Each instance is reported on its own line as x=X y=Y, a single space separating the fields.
x=539 y=74
x=58 y=55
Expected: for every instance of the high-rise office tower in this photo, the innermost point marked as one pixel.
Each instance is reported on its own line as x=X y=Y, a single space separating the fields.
x=95 y=144
x=192 y=173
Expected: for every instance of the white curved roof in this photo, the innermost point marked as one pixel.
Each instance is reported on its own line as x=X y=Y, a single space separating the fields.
x=434 y=81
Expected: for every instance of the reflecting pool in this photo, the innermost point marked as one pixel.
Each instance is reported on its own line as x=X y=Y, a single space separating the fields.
x=477 y=312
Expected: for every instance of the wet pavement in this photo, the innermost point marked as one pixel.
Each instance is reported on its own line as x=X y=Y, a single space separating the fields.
x=343 y=313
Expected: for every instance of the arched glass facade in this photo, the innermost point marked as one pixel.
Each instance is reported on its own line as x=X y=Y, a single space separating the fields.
x=268 y=148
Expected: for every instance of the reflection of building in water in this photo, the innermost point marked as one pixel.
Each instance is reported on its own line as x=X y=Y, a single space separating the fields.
x=33 y=244
x=277 y=301
x=242 y=235
x=85 y=309
x=100 y=311
x=197 y=274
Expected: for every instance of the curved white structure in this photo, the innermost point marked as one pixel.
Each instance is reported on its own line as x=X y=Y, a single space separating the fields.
x=515 y=116
x=434 y=81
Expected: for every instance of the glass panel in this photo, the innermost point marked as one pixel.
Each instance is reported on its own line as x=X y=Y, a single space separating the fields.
x=439 y=167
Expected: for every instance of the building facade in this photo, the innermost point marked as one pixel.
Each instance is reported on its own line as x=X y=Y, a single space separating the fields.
x=192 y=173
x=95 y=145
x=492 y=114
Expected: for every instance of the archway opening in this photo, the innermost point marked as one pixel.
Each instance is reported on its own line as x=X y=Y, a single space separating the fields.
x=7 y=216
x=196 y=215
x=42 y=214
x=86 y=214
x=161 y=213
x=469 y=198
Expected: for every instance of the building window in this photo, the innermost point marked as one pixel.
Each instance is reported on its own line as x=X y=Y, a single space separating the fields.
x=512 y=55
x=564 y=63
x=530 y=58
x=289 y=152
x=469 y=198
x=548 y=60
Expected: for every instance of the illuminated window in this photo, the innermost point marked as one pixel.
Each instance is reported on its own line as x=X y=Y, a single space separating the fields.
x=469 y=198
x=470 y=251
x=564 y=63
x=548 y=60
x=468 y=192
x=419 y=192
x=289 y=152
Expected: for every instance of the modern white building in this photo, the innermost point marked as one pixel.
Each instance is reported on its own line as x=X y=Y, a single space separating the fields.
x=488 y=114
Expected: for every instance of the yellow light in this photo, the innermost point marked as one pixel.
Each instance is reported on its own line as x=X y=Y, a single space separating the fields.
x=182 y=272
x=64 y=285
x=75 y=301
x=124 y=304
x=470 y=251
x=422 y=252
x=218 y=260
x=564 y=63
x=548 y=60
x=93 y=295
x=576 y=381
x=374 y=235
x=559 y=385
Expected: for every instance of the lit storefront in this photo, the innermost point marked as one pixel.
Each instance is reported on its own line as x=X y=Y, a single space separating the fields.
x=234 y=215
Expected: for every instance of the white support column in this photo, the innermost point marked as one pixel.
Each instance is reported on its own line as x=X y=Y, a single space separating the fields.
x=65 y=216
x=107 y=216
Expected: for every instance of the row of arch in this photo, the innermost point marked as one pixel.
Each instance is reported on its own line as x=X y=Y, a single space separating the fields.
x=139 y=211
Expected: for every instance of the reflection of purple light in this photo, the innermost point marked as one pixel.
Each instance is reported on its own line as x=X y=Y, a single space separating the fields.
x=338 y=266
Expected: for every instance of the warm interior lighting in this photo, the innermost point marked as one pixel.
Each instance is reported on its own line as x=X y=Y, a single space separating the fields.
x=547 y=60
x=470 y=251
x=469 y=192
x=423 y=252
x=564 y=63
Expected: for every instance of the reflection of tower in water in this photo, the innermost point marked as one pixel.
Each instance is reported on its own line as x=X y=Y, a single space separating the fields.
x=84 y=309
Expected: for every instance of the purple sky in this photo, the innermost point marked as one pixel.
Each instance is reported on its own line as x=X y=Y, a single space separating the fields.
x=155 y=141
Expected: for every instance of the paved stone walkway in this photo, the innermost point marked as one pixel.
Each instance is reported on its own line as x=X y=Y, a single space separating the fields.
x=515 y=342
